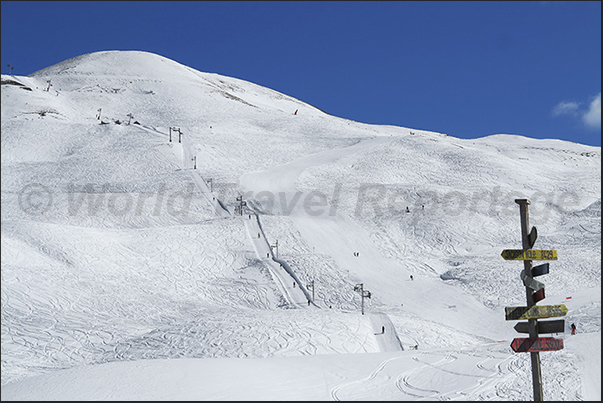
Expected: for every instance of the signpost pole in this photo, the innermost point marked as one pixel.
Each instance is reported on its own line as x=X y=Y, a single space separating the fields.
x=532 y=323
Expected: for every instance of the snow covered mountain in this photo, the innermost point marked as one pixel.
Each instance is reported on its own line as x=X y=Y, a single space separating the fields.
x=152 y=212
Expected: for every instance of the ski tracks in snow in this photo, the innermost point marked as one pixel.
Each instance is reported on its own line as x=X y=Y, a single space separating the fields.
x=432 y=375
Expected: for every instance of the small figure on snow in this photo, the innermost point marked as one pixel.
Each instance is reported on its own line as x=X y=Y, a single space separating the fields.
x=382 y=329
x=573 y=328
x=411 y=277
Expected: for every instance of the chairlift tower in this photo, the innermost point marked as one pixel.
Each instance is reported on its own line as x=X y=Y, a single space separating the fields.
x=363 y=294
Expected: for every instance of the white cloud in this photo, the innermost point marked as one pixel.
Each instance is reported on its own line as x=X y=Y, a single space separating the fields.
x=592 y=117
x=566 y=108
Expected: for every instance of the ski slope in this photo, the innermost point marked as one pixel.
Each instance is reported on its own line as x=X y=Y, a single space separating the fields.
x=128 y=272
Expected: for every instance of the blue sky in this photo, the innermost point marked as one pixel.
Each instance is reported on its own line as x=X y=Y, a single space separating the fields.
x=467 y=69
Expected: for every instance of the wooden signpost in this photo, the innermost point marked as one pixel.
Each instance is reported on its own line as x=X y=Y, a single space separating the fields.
x=534 y=293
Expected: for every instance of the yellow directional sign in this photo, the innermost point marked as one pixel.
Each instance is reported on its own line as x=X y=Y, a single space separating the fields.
x=529 y=254
x=534 y=312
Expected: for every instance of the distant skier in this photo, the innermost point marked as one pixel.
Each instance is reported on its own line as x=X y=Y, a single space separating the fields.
x=411 y=277
x=295 y=113
x=294 y=284
x=382 y=329
x=258 y=234
x=407 y=210
x=308 y=302
x=573 y=328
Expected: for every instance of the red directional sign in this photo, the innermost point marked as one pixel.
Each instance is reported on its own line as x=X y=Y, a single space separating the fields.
x=535 y=344
x=538 y=295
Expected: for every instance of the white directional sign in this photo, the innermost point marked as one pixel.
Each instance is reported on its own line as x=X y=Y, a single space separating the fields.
x=530 y=282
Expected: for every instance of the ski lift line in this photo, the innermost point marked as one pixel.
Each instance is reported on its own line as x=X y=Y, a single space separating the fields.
x=292 y=274
x=281 y=262
x=198 y=179
x=291 y=300
x=215 y=202
x=200 y=183
x=150 y=129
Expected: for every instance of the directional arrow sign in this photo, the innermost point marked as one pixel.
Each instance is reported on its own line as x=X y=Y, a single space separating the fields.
x=534 y=312
x=540 y=270
x=529 y=254
x=535 y=344
x=538 y=295
x=547 y=326
x=532 y=236
x=530 y=282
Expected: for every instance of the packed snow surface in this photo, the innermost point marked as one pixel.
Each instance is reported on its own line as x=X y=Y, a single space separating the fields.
x=169 y=234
